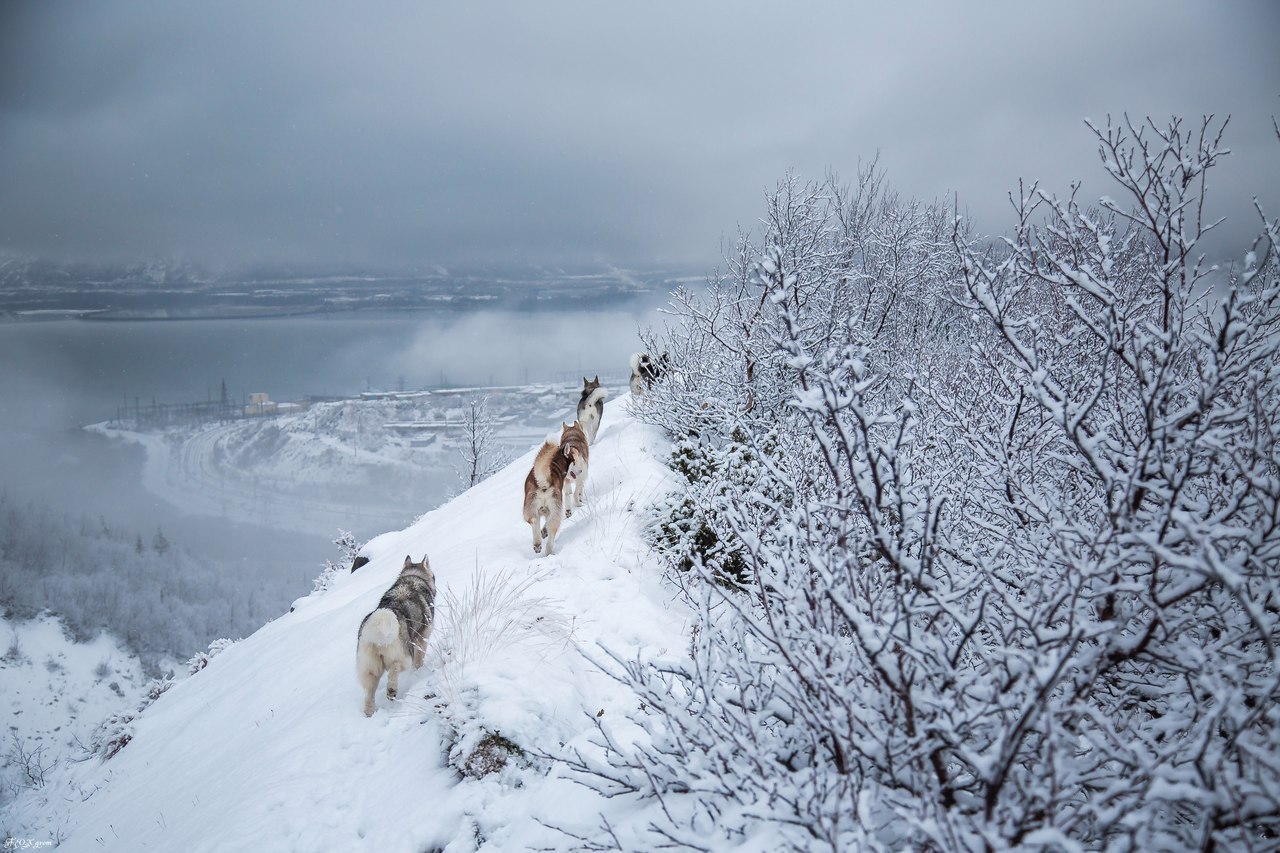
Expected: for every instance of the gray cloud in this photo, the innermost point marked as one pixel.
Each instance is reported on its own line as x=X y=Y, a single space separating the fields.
x=411 y=134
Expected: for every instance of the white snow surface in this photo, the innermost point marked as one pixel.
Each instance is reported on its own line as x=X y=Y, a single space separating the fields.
x=267 y=748
x=55 y=693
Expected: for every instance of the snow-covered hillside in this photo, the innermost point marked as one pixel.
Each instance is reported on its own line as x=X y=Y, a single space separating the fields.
x=267 y=747
x=55 y=691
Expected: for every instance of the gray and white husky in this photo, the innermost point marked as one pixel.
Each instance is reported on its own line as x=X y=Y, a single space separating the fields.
x=646 y=370
x=393 y=637
x=591 y=407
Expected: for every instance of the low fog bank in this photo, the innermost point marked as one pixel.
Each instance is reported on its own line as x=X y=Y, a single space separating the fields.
x=503 y=348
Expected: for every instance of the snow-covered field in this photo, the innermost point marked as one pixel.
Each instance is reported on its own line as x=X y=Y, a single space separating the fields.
x=267 y=748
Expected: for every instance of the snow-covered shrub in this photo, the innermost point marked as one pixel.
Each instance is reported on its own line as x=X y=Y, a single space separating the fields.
x=112 y=734
x=332 y=571
x=480 y=753
x=493 y=618
x=348 y=546
x=859 y=265
x=30 y=762
x=689 y=525
x=1131 y=511
x=14 y=653
x=116 y=731
x=1025 y=595
x=200 y=660
x=327 y=577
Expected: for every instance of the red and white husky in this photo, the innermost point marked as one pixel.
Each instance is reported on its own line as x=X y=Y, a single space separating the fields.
x=555 y=484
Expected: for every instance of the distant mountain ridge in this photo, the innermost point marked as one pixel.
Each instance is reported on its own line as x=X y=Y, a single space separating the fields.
x=168 y=289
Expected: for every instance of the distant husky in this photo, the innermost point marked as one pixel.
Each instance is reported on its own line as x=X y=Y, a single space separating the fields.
x=591 y=407
x=573 y=444
x=393 y=637
x=646 y=370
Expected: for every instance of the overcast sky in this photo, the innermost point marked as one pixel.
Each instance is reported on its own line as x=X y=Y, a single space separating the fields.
x=413 y=134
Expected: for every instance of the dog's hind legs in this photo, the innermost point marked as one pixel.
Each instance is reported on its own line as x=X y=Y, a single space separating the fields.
x=536 y=524
x=393 y=679
x=553 y=525
x=369 y=681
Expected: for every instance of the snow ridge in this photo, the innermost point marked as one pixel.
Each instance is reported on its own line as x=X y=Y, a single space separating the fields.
x=267 y=747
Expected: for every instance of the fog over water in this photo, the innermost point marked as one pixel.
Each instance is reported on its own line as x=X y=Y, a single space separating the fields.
x=58 y=375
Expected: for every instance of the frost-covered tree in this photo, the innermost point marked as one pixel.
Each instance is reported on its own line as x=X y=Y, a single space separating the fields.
x=860 y=264
x=1137 y=539
x=1013 y=567
x=482 y=455
x=855 y=265
x=159 y=543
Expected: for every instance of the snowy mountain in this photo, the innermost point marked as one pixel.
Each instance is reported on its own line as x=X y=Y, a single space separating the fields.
x=166 y=288
x=267 y=748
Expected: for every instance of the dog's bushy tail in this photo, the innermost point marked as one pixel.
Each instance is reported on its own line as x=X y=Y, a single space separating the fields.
x=382 y=629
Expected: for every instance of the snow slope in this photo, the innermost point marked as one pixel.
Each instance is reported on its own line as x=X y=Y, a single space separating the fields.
x=267 y=747
x=53 y=693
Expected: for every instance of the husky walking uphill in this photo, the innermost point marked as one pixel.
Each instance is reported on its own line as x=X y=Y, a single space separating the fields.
x=646 y=370
x=574 y=446
x=544 y=494
x=591 y=407
x=558 y=463
x=393 y=637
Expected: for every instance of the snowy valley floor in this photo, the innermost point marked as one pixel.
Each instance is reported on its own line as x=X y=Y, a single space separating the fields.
x=267 y=748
